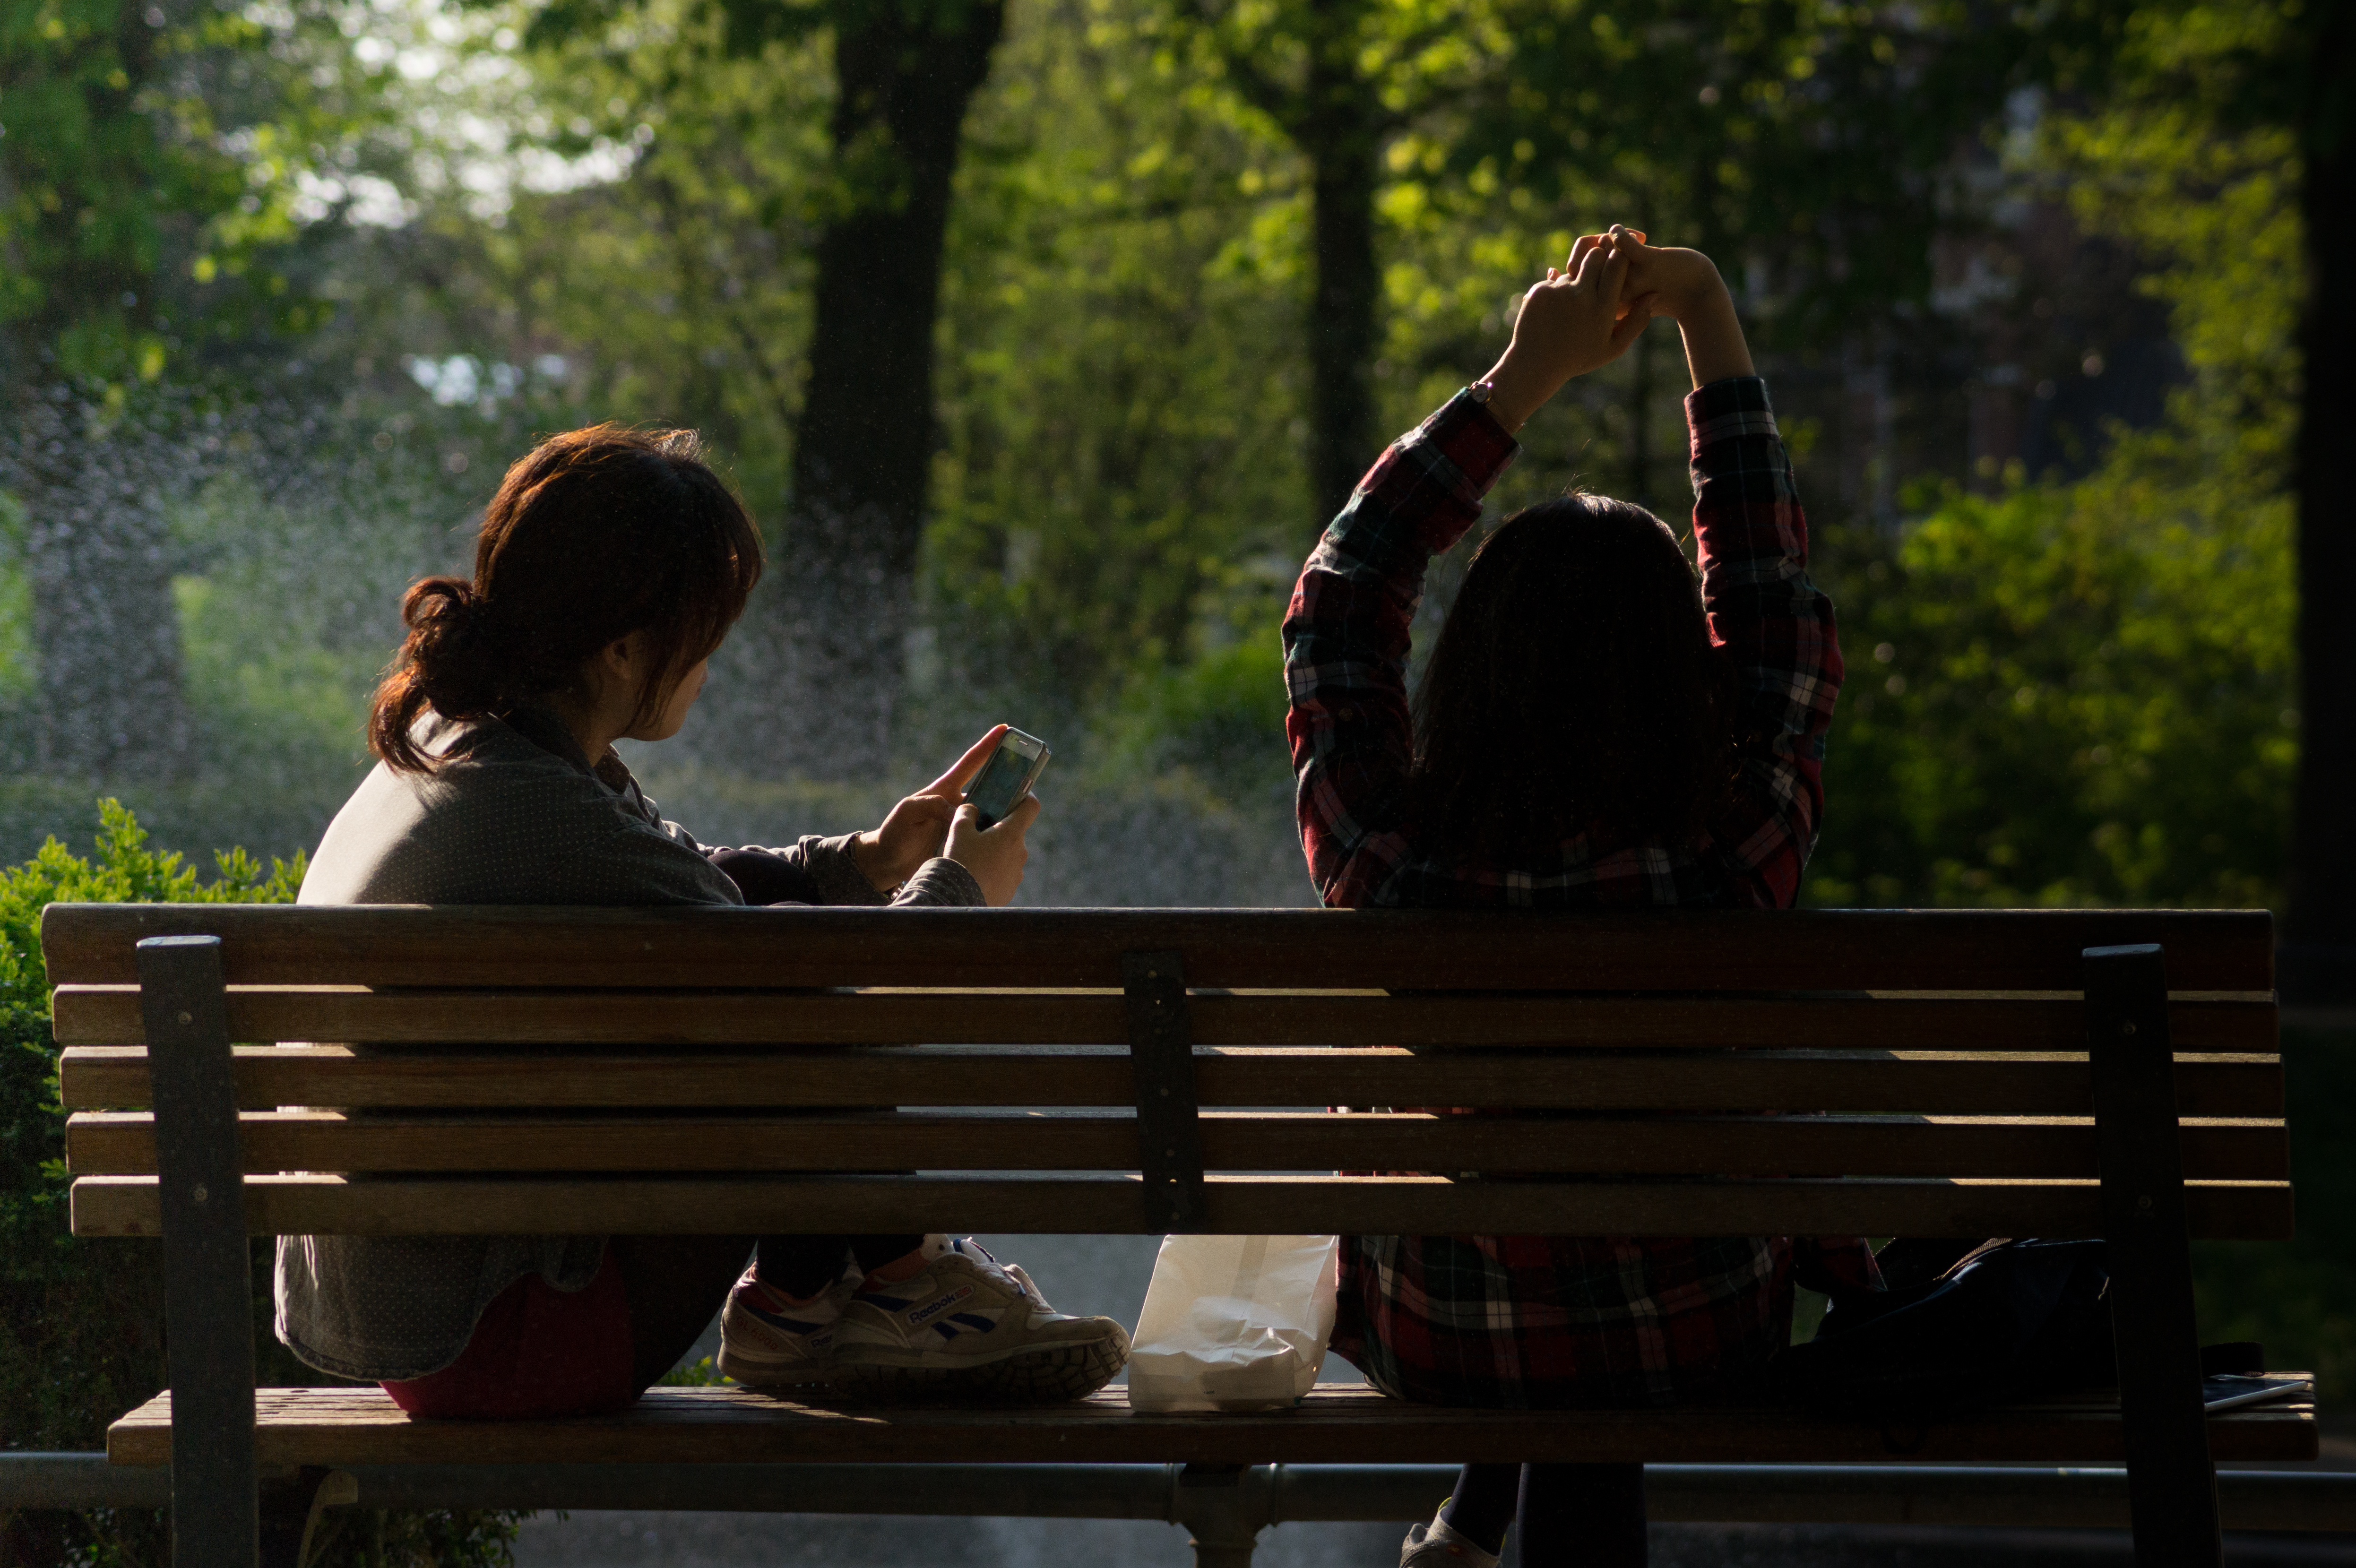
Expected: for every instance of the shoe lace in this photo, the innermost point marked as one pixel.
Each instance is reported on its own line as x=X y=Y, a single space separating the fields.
x=1030 y=1291
x=1011 y=1272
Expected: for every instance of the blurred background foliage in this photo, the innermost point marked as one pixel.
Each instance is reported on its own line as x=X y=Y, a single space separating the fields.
x=2077 y=686
x=285 y=283
x=2026 y=285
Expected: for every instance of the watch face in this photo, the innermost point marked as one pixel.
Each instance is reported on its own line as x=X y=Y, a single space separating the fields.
x=1482 y=391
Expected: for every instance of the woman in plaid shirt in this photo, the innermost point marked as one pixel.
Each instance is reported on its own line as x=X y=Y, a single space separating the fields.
x=1591 y=733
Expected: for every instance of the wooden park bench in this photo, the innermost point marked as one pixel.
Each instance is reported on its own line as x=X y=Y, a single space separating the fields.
x=547 y=1071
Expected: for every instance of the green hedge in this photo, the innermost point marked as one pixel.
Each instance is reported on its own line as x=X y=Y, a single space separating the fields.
x=82 y=1323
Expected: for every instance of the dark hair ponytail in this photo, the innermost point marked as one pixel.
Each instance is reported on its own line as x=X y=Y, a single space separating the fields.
x=593 y=535
x=1574 y=687
x=445 y=655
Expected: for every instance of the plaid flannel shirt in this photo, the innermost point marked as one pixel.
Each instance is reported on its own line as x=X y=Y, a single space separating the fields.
x=1540 y=1320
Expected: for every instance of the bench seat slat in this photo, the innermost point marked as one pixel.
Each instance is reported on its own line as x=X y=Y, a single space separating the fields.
x=123 y=1143
x=283 y=1205
x=1337 y=1424
x=109 y=1015
x=115 y=1077
x=1680 y=950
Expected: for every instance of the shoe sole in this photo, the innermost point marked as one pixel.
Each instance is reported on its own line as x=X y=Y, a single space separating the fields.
x=1047 y=1374
x=758 y=1374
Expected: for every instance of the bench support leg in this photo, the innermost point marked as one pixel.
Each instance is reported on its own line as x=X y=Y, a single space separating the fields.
x=1224 y=1509
x=2171 y=1483
x=208 y=1282
x=290 y=1509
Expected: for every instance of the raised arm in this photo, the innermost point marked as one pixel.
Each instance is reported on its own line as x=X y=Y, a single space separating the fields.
x=1346 y=642
x=1346 y=634
x=1751 y=542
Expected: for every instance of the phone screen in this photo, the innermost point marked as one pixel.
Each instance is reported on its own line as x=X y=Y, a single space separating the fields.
x=1008 y=776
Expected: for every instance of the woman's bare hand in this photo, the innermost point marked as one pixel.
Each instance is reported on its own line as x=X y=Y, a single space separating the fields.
x=919 y=827
x=1571 y=324
x=1678 y=280
x=997 y=854
x=1686 y=285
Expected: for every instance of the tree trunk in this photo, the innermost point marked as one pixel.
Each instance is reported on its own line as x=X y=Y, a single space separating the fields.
x=1345 y=317
x=2319 y=929
x=904 y=74
x=105 y=631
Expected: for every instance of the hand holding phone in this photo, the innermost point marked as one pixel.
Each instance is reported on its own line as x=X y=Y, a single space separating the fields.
x=986 y=838
x=1008 y=776
x=919 y=827
x=995 y=856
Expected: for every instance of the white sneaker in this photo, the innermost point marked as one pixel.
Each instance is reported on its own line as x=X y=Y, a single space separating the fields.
x=1437 y=1545
x=970 y=1326
x=770 y=1340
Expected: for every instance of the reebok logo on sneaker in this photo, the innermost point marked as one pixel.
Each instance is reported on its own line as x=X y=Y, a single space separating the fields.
x=938 y=1304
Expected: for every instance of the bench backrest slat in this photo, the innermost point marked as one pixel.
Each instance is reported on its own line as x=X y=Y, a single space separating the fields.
x=2055 y=1083
x=509 y=1016
x=1677 y=950
x=1235 y=1205
x=123 y=1143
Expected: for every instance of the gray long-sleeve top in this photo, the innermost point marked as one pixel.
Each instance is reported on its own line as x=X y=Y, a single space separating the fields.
x=514 y=813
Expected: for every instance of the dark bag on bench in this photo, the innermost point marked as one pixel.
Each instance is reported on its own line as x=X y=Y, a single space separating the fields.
x=2011 y=1319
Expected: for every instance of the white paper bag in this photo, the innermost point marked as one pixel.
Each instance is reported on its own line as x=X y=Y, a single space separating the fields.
x=1233 y=1323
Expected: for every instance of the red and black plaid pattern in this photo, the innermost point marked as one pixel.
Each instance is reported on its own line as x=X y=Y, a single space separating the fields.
x=1345 y=640
x=1535 y=1320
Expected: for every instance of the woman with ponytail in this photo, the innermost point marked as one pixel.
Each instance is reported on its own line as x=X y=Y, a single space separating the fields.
x=610 y=566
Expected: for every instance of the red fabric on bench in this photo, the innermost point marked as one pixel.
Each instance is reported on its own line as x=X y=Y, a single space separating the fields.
x=537 y=1351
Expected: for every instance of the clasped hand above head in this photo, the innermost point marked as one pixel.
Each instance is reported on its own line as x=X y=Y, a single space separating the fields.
x=936 y=821
x=1586 y=312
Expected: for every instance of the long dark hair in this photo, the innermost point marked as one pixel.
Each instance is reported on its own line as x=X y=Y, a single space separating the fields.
x=593 y=535
x=1574 y=687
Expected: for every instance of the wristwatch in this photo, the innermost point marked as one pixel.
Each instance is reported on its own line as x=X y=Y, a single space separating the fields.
x=1481 y=390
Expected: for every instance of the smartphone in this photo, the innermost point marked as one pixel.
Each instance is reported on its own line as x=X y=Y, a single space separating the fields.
x=2228 y=1391
x=1008 y=776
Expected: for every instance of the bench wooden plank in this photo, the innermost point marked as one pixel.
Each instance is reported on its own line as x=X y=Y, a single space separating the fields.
x=123 y=1143
x=109 y=1015
x=1337 y=1424
x=293 y=1205
x=1681 y=949
x=105 y=1077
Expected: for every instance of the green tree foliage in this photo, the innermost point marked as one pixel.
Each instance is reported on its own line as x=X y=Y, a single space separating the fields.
x=1339 y=81
x=82 y=1323
x=1127 y=388
x=1119 y=480
x=2084 y=692
x=158 y=168
x=161 y=172
x=800 y=156
x=649 y=220
x=2070 y=695
x=1811 y=145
